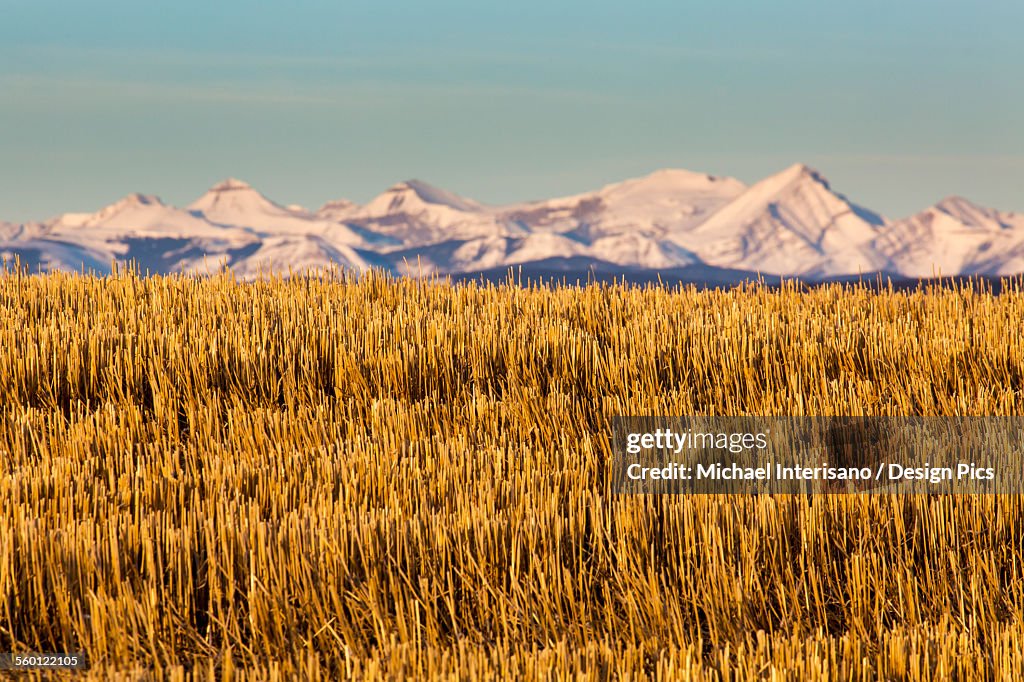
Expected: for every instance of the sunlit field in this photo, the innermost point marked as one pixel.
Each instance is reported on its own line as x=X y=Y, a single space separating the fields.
x=341 y=477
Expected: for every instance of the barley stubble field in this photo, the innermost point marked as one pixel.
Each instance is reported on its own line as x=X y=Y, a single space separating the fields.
x=341 y=477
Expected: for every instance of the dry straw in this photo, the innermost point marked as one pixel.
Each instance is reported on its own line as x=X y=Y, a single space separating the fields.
x=334 y=477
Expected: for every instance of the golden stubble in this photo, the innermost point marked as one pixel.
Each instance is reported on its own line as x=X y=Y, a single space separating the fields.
x=364 y=477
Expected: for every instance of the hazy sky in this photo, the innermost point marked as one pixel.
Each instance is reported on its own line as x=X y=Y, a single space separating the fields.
x=897 y=102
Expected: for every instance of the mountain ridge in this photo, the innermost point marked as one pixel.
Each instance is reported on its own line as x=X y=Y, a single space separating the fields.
x=789 y=224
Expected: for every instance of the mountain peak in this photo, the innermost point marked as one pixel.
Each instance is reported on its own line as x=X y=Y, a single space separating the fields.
x=416 y=195
x=136 y=199
x=435 y=195
x=230 y=184
x=957 y=203
x=967 y=213
x=794 y=223
x=676 y=180
x=681 y=174
x=799 y=178
x=229 y=200
x=418 y=185
x=132 y=201
x=338 y=204
x=801 y=172
x=337 y=209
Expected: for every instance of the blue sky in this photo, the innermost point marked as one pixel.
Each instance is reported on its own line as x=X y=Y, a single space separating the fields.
x=897 y=103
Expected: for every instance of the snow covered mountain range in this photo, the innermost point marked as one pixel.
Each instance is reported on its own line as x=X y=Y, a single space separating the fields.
x=791 y=223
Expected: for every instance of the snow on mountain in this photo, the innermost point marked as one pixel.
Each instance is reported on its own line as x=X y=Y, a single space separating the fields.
x=234 y=202
x=790 y=223
x=157 y=237
x=347 y=212
x=484 y=253
x=639 y=251
x=955 y=237
x=418 y=214
x=974 y=216
x=625 y=223
x=666 y=203
x=480 y=253
x=13 y=231
x=538 y=246
x=136 y=215
x=237 y=204
x=299 y=254
x=415 y=196
x=51 y=254
x=338 y=210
